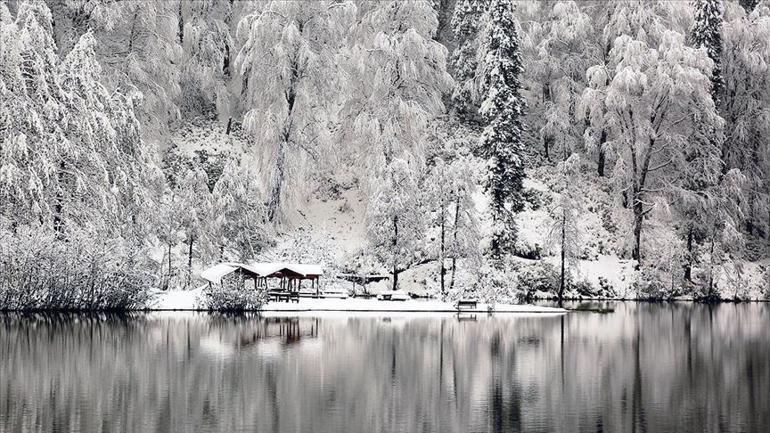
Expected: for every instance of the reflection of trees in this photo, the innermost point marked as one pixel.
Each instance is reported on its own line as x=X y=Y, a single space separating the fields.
x=646 y=367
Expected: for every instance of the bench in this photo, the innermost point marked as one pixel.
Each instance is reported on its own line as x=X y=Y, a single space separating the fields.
x=467 y=303
x=284 y=296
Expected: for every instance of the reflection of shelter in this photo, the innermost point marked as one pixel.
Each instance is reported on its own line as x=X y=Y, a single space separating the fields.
x=278 y=277
x=285 y=330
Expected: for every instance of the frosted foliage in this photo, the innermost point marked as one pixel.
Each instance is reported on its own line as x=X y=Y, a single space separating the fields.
x=75 y=156
x=564 y=235
x=394 y=219
x=238 y=225
x=208 y=51
x=397 y=77
x=138 y=45
x=288 y=63
x=503 y=107
x=467 y=21
x=559 y=49
x=657 y=100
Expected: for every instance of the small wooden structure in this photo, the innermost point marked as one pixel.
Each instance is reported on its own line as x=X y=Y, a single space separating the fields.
x=362 y=280
x=466 y=303
x=274 y=277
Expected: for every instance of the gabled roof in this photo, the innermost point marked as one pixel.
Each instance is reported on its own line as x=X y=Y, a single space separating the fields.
x=215 y=273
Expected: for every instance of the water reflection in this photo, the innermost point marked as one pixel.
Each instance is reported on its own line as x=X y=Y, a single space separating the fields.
x=642 y=367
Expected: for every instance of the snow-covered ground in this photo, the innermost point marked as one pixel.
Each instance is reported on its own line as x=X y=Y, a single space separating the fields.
x=176 y=300
x=188 y=300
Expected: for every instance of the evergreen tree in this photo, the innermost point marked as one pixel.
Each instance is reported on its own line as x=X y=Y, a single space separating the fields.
x=503 y=108
x=707 y=34
x=466 y=23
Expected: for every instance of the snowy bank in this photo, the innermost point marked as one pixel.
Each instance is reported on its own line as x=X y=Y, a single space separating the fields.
x=188 y=300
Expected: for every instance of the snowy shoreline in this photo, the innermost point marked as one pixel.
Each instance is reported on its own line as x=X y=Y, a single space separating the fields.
x=187 y=301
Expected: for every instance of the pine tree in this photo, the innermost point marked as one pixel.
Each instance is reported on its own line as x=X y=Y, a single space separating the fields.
x=466 y=23
x=707 y=34
x=503 y=108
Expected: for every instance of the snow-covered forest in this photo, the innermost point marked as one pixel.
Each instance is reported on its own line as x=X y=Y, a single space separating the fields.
x=507 y=149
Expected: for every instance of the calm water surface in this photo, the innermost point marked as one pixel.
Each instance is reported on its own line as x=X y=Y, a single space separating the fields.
x=643 y=368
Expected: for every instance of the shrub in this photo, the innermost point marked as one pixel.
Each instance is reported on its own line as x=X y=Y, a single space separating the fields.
x=495 y=285
x=39 y=271
x=605 y=289
x=235 y=293
x=528 y=251
x=542 y=277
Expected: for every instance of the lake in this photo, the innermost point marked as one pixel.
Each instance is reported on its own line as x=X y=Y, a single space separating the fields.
x=674 y=367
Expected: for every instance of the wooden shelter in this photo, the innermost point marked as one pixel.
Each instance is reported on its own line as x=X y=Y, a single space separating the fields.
x=282 y=277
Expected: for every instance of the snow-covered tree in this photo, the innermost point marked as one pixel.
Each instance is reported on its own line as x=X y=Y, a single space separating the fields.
x=503 y=107
x=396 y=80
x=467 y=21
x=239 y=222
x=72 y=154
x=564 y=233
x=745 y=107
x=207 y=36
x=707 y=34
x=395 y=222
x=449 y=190
x=194 y=204
x=289 y=71
x=658 y=99
x=139 y=50
x=559 y=49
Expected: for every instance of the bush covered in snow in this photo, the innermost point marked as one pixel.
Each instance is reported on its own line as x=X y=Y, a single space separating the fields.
x=40 y=272
x=538 y=279
x=234 y=294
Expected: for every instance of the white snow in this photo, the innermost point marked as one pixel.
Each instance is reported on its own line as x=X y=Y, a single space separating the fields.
x=176 y=300
x=187 y=300
x=215 y=273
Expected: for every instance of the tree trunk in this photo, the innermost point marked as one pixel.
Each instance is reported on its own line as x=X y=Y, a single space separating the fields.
x=132 y=36
x=602 y=156
x=547 y=138
x=442 y=254
x=454 y=242
x=280 y=163
x=395 y=253
x=168 y=281
x=444 y=31
x=689 y=262
x=58 y=206
x=711 y=266
x=563 y=256
x=636 y=252
x=277 y=188
x=190 y=251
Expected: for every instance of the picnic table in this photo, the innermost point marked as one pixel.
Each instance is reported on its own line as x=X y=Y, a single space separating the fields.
x=284 y=296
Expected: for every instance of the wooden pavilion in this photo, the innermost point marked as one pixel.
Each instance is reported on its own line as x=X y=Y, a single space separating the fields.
x=280 y=277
